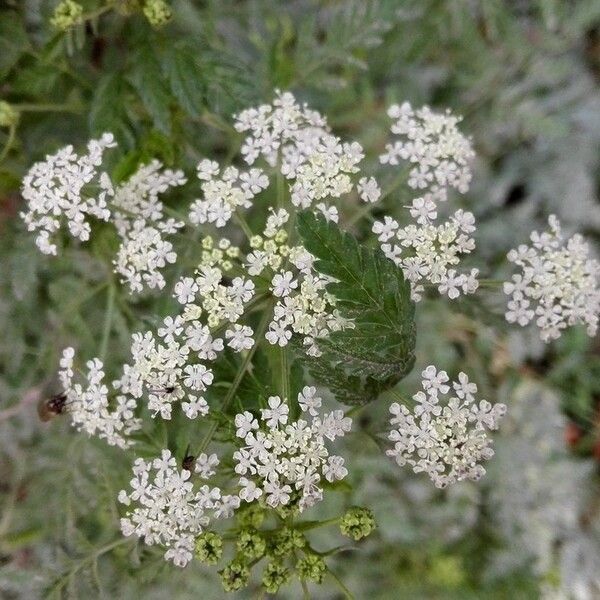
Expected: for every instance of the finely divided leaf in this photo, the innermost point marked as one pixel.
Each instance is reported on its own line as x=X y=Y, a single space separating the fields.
x=359 y=363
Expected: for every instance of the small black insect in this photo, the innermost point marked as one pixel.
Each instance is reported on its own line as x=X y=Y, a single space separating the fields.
x=166 y=390
x=188 y=463
x=48 y=408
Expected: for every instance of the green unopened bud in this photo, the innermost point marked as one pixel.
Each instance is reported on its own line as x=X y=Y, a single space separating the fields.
x=285 y=541
x=66 y=14
x=8 y=115
x=251 y=544
x=312 y=567
x=235 y=575
x=251 y=516
x=209 y=547
x=274 y=576
x=158 y=12
x=357 y=523
x=256 y=241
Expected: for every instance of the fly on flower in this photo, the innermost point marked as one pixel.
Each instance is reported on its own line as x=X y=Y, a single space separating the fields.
x=48 y=408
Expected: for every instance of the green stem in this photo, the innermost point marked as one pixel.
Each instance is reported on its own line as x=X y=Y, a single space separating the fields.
x=316 y=525
x=175 y=214
x=241 y=221
x=108 y=317
x=342 y=587
x=491 y=283
x=284 y=376
x=77 y=302
x=91 y=558
x=62 y=68
x=9 y=142
x=96 y=13
x=280 y=184
x=355 y=410
x=365 y=210
x=238 y=379
x=400 y=398
x=48 y=108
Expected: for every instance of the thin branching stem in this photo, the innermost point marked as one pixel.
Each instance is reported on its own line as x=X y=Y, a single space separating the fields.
x=9 y=142
x=238 y=379
x=347 y=593
x=108 y=319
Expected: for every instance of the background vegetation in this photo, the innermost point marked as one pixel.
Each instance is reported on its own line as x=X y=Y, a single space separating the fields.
x=524 y=73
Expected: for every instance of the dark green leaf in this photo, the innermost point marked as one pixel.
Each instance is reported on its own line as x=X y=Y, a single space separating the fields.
x=182 y=68
x=147 y=79
x=107 y=110
x=13 y=41
x=359 y=363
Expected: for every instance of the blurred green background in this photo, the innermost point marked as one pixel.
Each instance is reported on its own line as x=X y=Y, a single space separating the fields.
x=524 y=73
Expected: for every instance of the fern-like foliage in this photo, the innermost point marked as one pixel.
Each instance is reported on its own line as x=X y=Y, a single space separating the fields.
x=358 y=364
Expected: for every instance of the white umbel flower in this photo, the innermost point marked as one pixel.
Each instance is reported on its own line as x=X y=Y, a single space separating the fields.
x=557 y=284
x=281 y=460
x=165 y=508
x=428 y=252
x=445 y=437
x=61 y=188
x=439 y=153
x=90 y=408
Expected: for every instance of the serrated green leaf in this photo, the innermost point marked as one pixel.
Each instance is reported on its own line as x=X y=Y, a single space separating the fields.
x=146 y=78
x=182 y=69
x=359 y=363
x=107 y=110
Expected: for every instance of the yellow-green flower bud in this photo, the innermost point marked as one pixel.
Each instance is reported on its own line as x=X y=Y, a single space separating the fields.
x=274 y=576
x=251 y=544
x=358 y=522
x=235 y=575
x=256 y=241
x=209 y=547
x=8 y=115
x=213 y=320
x=281 y=236
x=312 y=567
x=158 y=12
x=270 y=247
x=66 y=14
x=285 y=541
x=252 y=516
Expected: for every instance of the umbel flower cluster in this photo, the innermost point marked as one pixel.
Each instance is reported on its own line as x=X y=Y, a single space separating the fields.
x=289 y=459
x=444 y=437
x=216 y=373
x=557 y=284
